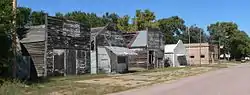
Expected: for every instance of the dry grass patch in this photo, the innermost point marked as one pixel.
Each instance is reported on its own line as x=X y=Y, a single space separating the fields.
x=103 y=84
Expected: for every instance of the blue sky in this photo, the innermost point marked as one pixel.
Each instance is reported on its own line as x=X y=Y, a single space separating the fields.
x=199 y=12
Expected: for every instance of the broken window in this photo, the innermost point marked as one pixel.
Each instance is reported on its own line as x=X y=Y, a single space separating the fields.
x=121 y=59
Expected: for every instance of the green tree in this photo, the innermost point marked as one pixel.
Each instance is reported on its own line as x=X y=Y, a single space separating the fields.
x=194 y=33
x=38 y=18
x=172 y=27
x=86 y=18
x=239 y=45
x=144 y=19
x=235 y=42
x=122 y=23
x=77 y=16
x=220 y=30
x=59 y=14
x=23 y=18
x=94 y=20
x=5 y=41
x=113 y=17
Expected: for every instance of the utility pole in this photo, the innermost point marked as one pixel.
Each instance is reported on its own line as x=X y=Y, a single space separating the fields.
x=14 y=37
x=200 y=47
x=189 y=46
x=219 y=50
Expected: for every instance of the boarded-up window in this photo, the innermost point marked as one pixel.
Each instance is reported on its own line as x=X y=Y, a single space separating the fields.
x=121 y=59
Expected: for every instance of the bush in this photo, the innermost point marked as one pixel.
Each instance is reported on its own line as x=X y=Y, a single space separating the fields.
x=5 y=54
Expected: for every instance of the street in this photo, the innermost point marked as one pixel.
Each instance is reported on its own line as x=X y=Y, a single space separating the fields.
x=228 y=81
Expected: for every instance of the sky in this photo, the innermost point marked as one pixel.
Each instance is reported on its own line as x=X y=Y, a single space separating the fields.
x=199 y=12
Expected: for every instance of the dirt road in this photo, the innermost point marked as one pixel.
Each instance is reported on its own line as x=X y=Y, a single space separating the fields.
x=229 y=81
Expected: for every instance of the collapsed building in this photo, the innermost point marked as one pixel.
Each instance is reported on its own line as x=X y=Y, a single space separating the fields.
x=109 y=53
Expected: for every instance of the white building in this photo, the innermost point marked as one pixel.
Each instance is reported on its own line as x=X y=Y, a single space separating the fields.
x=175 y=54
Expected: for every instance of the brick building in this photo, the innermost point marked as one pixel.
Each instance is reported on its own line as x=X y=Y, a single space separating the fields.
x=205 y=52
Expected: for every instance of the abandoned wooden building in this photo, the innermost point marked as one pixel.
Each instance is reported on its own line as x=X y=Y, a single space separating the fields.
x=60 y=47
x=175 y=55
x=109 y=53
x=149 y=44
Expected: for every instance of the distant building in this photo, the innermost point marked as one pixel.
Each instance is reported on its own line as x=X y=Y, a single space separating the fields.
x=175 y=55
x=204 y=52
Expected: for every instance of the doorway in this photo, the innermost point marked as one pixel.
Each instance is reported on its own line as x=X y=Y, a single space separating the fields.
x=151 y=57
x=59 y=59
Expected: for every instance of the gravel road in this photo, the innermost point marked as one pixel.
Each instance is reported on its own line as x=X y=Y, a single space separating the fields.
x=228 y=81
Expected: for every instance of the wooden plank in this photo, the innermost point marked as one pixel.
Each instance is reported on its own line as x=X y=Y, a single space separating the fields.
x=45 y=46
x=65 y=63
x=77 y=64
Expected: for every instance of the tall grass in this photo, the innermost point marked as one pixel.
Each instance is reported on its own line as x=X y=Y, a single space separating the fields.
x=11 y=88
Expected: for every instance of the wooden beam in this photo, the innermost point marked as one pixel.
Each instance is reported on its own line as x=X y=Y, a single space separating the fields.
x=76 y=61
x=46 y=46
x=65 y=62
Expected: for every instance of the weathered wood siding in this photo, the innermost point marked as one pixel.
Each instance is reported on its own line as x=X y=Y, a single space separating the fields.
x=113 y=38
x=155 y=39
x=129 y=38
x=104 y=60
x=155 y=43
x=72 y=37
x=36 y=50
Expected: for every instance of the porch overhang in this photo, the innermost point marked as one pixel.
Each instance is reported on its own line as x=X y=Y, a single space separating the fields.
x=121 y=51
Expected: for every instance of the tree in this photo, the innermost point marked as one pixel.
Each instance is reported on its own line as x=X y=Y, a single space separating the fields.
x=144 y=19
x=86 y=18
x=94 y=20
x=38 y=18
x=23 y=18
x=5 y=40
x=239 y=45
x=194 y=33
x=113 y=17
x=171 y=27
x=59 y=14
x=122 y=23
x=235 y=42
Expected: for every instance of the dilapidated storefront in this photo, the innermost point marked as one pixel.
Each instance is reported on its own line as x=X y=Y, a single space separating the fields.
x=60 y=47
x=109 y=53
x=149 y=44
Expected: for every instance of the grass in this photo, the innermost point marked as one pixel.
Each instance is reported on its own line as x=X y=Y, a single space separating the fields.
x=11 y=88
x=69 y=86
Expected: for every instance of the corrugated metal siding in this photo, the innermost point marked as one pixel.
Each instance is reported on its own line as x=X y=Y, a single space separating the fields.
x=36 y=50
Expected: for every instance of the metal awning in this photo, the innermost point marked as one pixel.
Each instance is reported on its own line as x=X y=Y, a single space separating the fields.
x=121 y=51
x=180 y=55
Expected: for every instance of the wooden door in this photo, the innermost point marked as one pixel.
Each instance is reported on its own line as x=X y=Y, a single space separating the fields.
x=71 y=62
